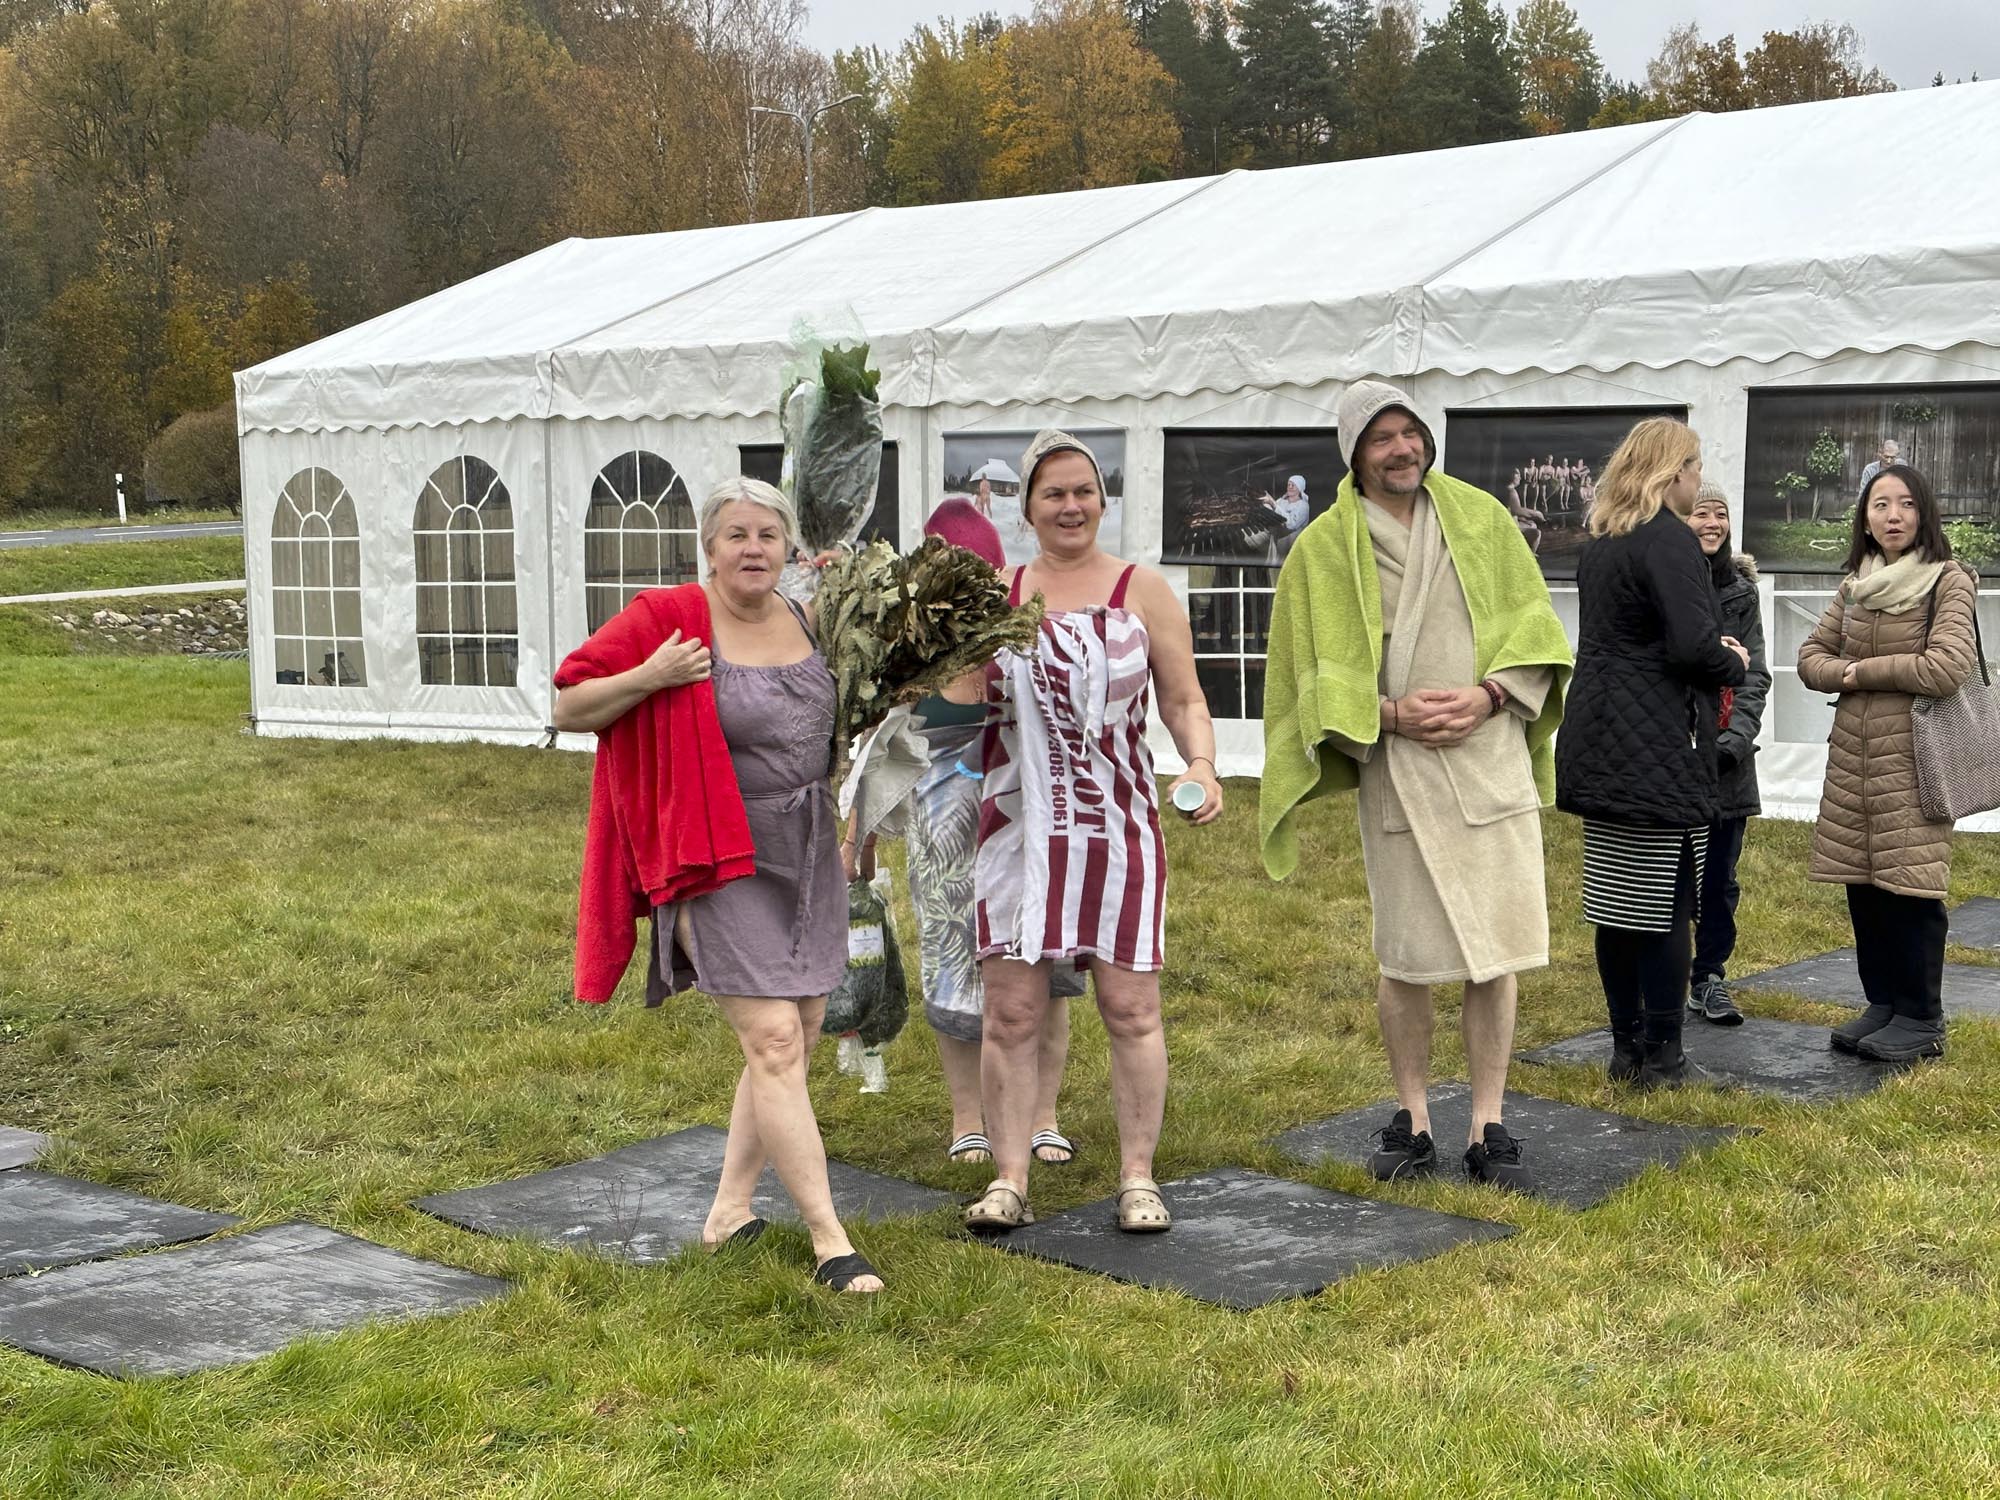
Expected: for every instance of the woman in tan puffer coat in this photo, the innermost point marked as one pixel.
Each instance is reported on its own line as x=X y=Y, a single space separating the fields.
x=1900 y=627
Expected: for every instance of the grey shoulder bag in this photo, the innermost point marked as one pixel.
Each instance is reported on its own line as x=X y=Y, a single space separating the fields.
x=1957 y=739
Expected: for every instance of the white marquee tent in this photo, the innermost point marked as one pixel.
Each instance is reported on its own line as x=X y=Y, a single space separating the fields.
x=438 y=501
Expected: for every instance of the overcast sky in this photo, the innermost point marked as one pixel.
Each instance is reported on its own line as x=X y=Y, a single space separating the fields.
x=1910 y=40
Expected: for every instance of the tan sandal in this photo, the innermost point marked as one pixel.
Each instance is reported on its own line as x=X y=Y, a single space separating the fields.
x=1141 y=1209
x=1000 y=1208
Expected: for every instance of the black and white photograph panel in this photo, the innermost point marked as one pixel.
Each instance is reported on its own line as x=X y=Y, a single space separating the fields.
x=1241 y=496
x=982 y=466
x=1542 y=463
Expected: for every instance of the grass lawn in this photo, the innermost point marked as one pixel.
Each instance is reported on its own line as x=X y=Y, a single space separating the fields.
x=64 y=520
x=291 y=979
x=117 y=565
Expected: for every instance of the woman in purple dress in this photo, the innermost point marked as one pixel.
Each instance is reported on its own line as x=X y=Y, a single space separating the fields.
x=768 y=948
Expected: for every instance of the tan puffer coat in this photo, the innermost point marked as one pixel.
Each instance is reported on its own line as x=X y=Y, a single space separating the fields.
x=1871 y=830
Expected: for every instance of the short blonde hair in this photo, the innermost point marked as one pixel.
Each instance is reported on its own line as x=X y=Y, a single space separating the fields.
x=755 y=492
x=1634 y=483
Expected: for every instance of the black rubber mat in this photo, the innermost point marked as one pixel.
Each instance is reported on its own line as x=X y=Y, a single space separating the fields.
x=21 y=1148
x=647 y=1201
x=53 y=1221
x=226 y=1302
x=1574 y=1156
x=1242 y=1239
x=1969 y=990
x=1785 y=1058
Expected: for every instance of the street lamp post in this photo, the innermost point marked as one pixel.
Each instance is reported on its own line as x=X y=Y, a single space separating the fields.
x=806 y=119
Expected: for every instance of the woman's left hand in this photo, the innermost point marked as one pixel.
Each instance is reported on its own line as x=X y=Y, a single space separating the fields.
x=1211 y=806
x=1847 y=675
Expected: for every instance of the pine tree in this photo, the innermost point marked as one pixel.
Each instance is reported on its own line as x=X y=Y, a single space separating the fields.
x=1378 y=92
x=1288 y=83
x=1468 y=83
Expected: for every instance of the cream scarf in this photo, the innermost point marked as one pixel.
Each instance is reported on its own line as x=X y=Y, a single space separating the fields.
x=1892 y=588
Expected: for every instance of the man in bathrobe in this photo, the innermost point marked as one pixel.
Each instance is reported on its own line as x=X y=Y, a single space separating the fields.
x=1449 y=803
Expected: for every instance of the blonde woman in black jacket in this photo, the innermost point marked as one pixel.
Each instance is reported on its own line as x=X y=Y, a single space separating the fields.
x=1636 y=758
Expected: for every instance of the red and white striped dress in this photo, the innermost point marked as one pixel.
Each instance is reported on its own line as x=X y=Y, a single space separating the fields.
x=1071 y=862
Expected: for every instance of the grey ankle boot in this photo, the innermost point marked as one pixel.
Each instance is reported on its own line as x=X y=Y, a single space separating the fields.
x=1904 y=1039
x=1873 y=1019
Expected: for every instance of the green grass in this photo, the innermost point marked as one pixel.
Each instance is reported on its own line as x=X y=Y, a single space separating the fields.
x=292 y=979
x=118 y=565
x=63 y=520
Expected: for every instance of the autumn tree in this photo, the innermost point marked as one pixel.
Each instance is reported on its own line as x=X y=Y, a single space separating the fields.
x=939 y=92
x=1688 y=74
x=1820 y=60
x=473 y=141
x=1076 y=103
x=1562 y=81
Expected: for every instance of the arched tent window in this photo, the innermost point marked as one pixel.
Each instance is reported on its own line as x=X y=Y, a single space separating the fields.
x=468 y=633
x=639 y=533
x=316 y=584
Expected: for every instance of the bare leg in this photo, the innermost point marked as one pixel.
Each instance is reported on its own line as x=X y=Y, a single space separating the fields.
x=1405 y=1011
x=1487 y=1022
x=1130 y=1006
x=743 y=1154
x=1051 y=1057
x=776 y=1037
x=1017 y=997
x=959 y=1062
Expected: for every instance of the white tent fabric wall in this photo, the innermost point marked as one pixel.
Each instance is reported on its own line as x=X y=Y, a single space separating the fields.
x=1687 y=261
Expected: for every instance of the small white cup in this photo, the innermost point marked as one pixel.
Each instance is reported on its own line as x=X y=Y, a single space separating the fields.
x=1189 y=796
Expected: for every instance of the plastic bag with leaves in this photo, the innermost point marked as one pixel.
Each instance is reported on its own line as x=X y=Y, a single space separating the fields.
x=832 y=422
x=871 y=999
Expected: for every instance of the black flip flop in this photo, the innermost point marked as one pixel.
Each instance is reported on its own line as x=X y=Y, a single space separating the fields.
x=842 y=1271
x=745 y=1233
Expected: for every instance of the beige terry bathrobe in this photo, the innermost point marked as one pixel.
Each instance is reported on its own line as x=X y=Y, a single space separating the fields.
x=1451 y=838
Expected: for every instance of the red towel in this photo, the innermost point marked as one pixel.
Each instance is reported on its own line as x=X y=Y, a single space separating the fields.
x=666 y=817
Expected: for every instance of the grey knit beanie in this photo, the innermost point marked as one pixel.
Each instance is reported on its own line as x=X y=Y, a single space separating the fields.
x=1364 y=401
x=1047 y=442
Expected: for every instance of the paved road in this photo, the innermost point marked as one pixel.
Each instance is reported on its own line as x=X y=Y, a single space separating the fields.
x=65 y=536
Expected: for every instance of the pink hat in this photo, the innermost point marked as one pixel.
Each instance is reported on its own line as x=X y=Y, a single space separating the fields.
x=959 y=522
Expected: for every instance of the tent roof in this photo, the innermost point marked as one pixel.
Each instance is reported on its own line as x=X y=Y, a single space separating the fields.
x=1858 y=224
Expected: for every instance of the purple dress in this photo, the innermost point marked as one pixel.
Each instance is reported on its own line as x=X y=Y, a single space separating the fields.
x=780 y=934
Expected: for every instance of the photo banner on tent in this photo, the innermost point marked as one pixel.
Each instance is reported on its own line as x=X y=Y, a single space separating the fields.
x=884 y=522
x=983 y=467
x=1241 y=496
x=1542 y=463
x=1809 y=453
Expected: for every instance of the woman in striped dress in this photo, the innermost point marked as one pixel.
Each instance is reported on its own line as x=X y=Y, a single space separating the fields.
x=1071 y=866
x=1636 y=759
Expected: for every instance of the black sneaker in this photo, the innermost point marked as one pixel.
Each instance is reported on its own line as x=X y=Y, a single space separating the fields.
x=1400 y=1152
x=1497 y=1159
x=1712 y=1001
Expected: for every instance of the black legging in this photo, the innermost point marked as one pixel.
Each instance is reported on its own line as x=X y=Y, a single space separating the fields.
x=1646 y=973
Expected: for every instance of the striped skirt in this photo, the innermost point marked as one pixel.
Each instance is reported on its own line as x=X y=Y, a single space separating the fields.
x=1629 y=874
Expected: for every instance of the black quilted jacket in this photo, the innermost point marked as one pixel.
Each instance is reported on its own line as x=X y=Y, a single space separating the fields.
x=1639 y=726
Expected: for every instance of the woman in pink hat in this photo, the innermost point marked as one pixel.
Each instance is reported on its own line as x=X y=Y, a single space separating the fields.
x=942 y=838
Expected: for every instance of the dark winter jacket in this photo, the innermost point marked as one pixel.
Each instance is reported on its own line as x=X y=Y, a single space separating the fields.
x=1638 y=740
x=1736 y=595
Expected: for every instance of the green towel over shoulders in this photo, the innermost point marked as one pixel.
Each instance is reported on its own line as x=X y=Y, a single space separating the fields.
x=1324 y=665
